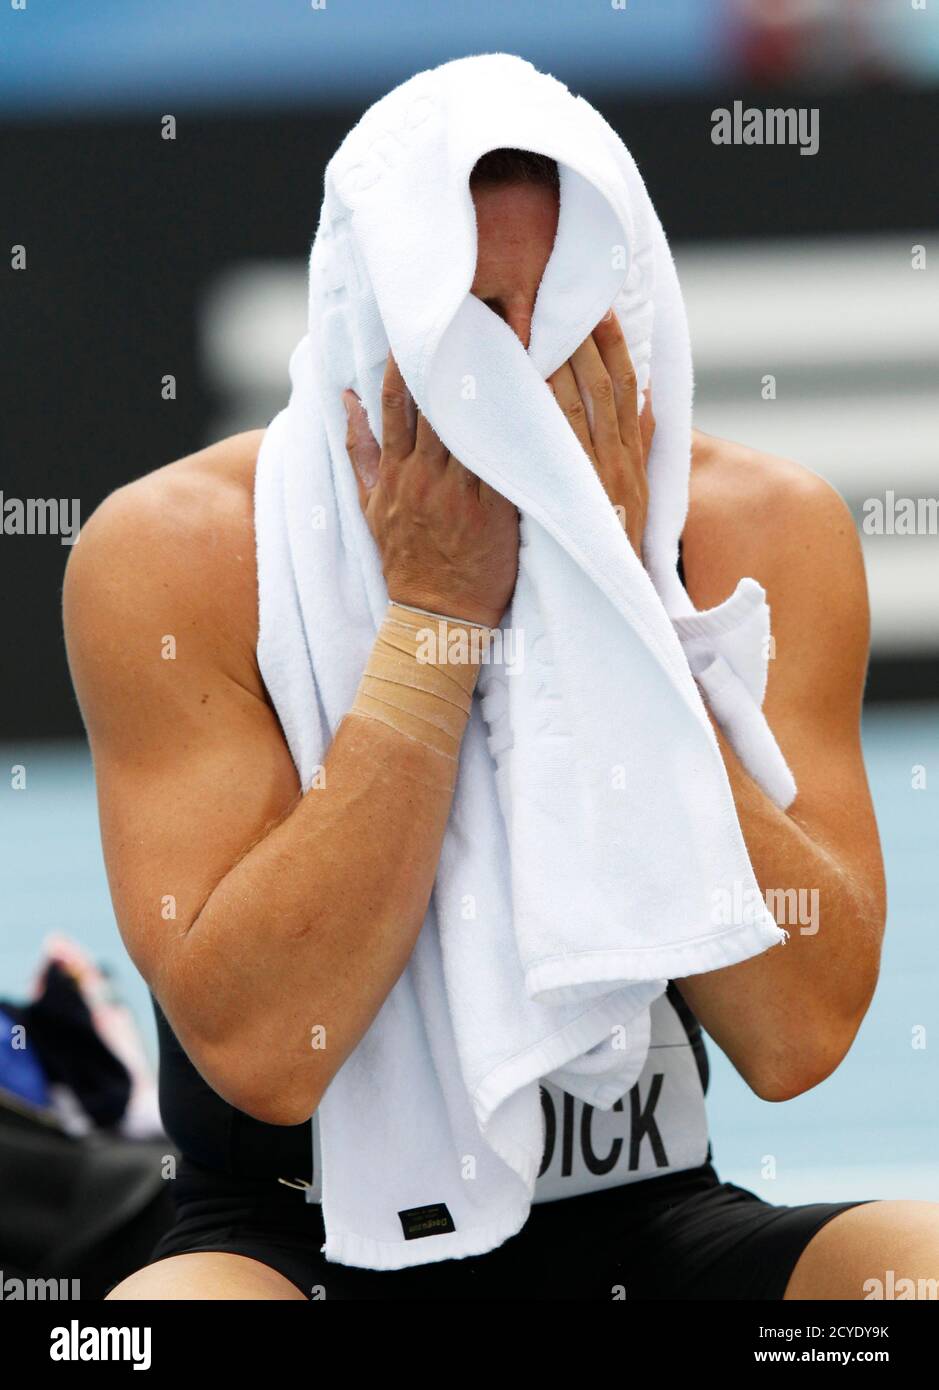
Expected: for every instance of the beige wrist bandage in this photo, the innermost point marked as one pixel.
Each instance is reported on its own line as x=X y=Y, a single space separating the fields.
x=420 y=675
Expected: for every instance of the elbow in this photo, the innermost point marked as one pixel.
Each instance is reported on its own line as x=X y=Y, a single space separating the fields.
x=285 y=1099
x=268 y=1099
x=792 y=1072
x=273 y=1082
x=781 y=1085
x=815 y=1046
x=268 y=1109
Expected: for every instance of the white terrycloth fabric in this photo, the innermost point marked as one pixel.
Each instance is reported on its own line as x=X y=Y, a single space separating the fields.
x=592 y=828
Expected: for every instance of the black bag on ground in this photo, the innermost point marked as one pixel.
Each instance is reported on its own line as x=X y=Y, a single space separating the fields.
x=87 y=1207
x=62 y=1036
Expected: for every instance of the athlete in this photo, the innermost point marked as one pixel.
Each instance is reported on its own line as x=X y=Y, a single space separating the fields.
x=245 y=904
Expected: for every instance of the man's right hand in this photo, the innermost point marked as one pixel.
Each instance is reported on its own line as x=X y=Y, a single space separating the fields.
x=448 y=541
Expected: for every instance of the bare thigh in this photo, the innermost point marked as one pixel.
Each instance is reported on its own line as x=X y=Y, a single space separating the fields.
x=205 y=1275
x=871 y=1248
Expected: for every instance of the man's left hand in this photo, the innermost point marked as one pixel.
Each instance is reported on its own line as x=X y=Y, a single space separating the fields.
x=596 y=389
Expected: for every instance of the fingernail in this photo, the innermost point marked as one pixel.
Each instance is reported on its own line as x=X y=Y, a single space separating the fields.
x=348 y=399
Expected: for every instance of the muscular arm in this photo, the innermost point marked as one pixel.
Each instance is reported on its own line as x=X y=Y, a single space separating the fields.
x=254 y=914
x=787 y=1017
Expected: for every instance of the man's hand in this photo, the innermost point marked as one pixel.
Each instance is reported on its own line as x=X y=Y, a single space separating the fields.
x=596 y=389
x=448 y=541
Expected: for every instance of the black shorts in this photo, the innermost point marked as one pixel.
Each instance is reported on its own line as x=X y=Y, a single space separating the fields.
x=681 y=1236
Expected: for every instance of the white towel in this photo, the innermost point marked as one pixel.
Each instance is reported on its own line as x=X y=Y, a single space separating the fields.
x=592 y=829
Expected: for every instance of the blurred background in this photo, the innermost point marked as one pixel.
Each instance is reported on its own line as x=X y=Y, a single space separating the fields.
x=811 y=290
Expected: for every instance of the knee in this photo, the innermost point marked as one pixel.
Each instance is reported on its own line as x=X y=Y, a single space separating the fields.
x=881 y=1250
x=211 y=1275
x=169 y=1278
x=904 y=1251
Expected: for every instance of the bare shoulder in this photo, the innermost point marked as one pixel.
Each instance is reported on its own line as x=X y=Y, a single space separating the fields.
x=752 y=513
x=755 y=513
x=172 y=550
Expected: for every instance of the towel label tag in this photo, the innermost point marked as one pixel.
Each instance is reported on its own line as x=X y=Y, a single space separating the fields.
x=434 y=1220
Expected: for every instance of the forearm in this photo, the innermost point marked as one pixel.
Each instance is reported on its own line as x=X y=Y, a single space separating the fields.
x=786 y=1017
x=293 y=954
